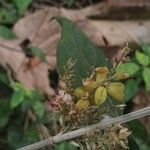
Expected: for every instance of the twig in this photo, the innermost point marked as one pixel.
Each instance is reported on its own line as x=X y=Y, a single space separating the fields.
x=101 y=125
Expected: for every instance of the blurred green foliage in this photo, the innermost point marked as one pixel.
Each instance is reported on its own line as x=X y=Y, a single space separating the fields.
x=15 y=102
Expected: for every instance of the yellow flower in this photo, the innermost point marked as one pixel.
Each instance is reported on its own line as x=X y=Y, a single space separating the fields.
x=82 y=104
x=102 y=70
x=100 y=95
x=79 y=92
x=100 y=78
x=89 y=84
x=120 y=76
x=116 y=90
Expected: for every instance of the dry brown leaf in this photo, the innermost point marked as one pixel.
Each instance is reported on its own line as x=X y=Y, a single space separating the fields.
x=35 y=78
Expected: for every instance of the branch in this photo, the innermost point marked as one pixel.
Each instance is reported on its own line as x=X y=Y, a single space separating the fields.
x=101 y=125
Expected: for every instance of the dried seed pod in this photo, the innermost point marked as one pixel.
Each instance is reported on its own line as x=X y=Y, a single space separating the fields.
x=123 y=145
x=79 y=92
x=124 y=133
x=102 y=70
x=89 y=84
x=120 y=76
x=116 y=90
x=100 y=95
x=82 y=104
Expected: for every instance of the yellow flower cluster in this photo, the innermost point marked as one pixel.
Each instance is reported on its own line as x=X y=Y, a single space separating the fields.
x=96 y=88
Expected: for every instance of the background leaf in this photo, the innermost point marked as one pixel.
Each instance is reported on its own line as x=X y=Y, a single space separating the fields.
x=22 y=5
x=146 y=48
x=131 y=89
x=4 y=112
x=130 y=68
x=17 y=98
x=65 y=146
x=8 y=15
x=146 y=77
x=139 y=137
x=6 y=33
x=75 y=45
x=38 y=108
x=39 y=53
x=3 y=76
x=69 y=2
x=142 y=58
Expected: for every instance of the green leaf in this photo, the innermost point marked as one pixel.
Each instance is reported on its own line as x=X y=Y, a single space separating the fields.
x=6 y=33
x=138 y=130
x=65 y=146
x=77 y=47
x=22 y=5
x=69 y=2
x=146 y=48
x=146 y=77
x=131 y=89
x=129 y=68
x=17 y=98
x=15 y=136
x=8 y=16
x=139 y=135
x=132 y=144
x=38 y=108
x=4 y=112
x=3 y=76
x=39 y=53
x=31 y=135
x=142 y=58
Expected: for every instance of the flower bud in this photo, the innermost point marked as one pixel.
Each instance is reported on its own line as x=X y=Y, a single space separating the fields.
x=102 y=70
x=89 y=84
x=82 y=104
x=120 y=76
x=100 y=95
x=79 y=92
x=116 y=90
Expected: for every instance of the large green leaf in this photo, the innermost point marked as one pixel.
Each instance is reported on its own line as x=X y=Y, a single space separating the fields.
x=146 y=77
x=6 y=33
x=130 y=68
x=75 y=45
x=22 y=5
x=142 y=58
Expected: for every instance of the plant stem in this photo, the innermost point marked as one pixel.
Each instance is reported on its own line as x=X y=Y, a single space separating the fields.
x=101 y=125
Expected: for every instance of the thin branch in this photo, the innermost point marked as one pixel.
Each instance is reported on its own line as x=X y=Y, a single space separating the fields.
x=101 y=125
